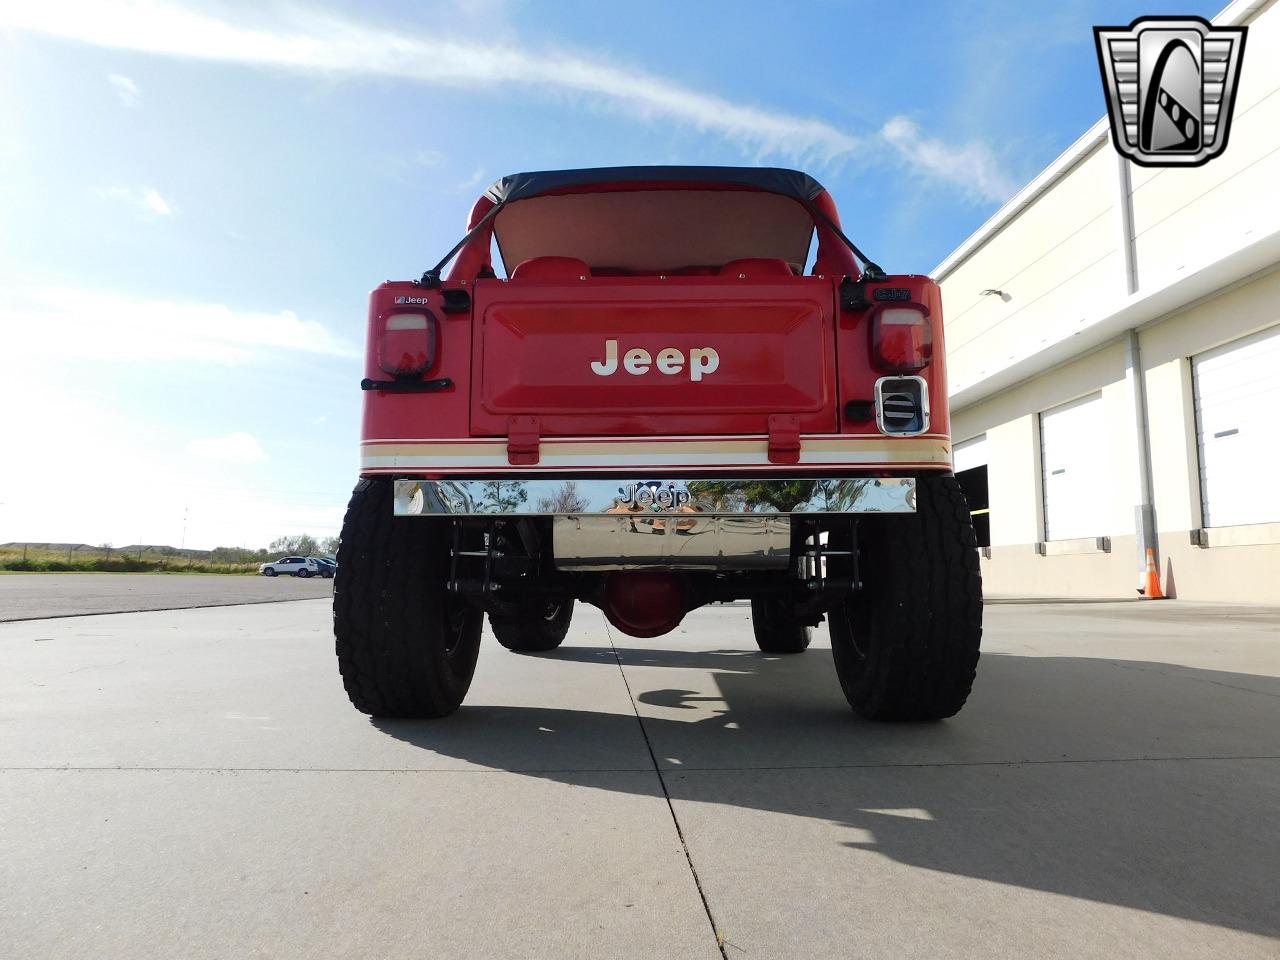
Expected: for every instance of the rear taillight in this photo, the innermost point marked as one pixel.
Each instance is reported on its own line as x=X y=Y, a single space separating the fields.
x=407 y=347
x=901 y=338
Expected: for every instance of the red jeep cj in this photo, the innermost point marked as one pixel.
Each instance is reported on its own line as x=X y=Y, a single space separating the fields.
x=654 y=410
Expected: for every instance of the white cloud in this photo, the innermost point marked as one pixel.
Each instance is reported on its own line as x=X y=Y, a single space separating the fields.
x=972 y=166
x=428 y=158
x=317 y=43
x=126 y=90
x=147 y=202
x=465 y=186
x=233 y=448
x=82 y=424
x=152 y=200
x=60 y=323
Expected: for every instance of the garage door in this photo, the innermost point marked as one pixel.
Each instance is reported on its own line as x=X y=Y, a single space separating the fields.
x=1072 y=437
x=1237 y=390
x=969 y=454
x=970 y=457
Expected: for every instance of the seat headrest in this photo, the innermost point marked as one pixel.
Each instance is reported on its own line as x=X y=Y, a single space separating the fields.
x=756 y=267
x=551 y=268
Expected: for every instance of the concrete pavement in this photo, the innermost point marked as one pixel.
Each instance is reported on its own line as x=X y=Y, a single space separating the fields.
x=31 y=596
x=194 y=783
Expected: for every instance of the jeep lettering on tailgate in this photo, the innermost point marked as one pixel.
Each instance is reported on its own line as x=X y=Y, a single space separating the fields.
x=657 y=408
x=670 y=361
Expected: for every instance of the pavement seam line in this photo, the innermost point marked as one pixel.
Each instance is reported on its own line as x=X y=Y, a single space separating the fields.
x=194 y=606
x=666 y=794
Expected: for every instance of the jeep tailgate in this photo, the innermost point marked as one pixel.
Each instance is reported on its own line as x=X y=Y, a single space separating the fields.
x=719 y=355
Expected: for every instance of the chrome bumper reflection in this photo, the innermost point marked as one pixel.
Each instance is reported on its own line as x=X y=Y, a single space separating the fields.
x=654 y=498
x=671 y=541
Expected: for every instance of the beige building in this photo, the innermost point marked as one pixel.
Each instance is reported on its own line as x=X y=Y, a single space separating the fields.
x=1113 y=340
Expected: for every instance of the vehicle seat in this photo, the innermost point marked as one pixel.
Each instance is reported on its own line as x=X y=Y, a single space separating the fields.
x=756 y=267
x=551 y=268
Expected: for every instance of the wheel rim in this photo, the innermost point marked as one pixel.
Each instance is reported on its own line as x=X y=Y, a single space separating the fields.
x=850 y=637
x=457 y=614
x=551 y=610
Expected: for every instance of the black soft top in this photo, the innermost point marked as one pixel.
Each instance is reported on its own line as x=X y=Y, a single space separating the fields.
x=790 y=183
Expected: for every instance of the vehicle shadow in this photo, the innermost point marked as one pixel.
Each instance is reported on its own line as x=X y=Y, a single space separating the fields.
x=1101 y=779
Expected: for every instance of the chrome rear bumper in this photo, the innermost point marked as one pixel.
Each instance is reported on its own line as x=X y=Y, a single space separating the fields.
x=575 y=497
x=670 y=524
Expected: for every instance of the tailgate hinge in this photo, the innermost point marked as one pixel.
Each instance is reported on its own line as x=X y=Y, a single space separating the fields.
x=523 y=439
x=784 y=438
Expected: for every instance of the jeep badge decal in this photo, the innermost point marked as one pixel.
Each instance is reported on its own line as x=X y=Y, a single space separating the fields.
x=653 y=496
x=703 y=361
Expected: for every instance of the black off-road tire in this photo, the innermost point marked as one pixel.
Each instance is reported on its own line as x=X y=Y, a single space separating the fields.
x=405 y=647
x=906 y=646
x=540 y=628
x=776 y=628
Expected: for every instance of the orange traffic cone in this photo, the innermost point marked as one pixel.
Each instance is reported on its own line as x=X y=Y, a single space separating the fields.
x=1151 y=579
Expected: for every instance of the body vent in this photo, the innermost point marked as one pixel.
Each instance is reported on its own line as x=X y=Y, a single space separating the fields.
x=902 y=405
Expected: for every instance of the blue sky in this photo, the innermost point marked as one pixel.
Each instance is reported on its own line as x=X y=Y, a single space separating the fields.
x=195 y=198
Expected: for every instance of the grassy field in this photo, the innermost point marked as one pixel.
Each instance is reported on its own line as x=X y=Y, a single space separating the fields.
x=102 y=560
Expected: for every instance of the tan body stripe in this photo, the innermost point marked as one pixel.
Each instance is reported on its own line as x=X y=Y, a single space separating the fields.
x=606 y=454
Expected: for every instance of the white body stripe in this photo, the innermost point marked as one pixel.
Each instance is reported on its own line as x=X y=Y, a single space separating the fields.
x=589 y=453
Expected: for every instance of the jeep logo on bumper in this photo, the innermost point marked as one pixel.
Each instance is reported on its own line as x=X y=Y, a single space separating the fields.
x=670 y=361
x=653 y=496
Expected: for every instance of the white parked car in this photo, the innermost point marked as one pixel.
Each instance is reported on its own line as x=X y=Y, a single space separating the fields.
x=293 y=566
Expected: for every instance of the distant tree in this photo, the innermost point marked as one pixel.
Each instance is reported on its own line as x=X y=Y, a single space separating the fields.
x=300 y=544
x=238 y=555
x=107 y=549
x=566 y=499
x=503 y=495
x=329 y=546
x=739 y=494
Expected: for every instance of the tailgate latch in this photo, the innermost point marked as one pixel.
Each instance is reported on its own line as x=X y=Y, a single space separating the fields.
x=523 y=439
x=784 y=438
